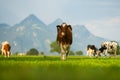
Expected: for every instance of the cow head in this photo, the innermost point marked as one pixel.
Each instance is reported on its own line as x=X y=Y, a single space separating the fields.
x=64 y=33
x=62 y=30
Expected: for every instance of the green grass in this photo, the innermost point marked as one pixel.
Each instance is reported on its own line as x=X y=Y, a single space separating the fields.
x=52 y=68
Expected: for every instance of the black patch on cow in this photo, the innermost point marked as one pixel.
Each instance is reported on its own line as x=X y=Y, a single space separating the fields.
x=102 y=48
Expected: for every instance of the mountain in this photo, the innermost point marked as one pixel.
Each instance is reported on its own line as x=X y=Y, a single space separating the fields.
x=52 y=28
x=32 y=19
x=29 y=33
x=3 y=31
x=3 y=25
x=82 y=37
x=33 y=33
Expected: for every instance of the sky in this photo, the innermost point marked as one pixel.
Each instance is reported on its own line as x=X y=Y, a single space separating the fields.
x=101 y=17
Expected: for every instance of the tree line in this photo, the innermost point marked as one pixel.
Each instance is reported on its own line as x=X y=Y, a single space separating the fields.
x=54 y=48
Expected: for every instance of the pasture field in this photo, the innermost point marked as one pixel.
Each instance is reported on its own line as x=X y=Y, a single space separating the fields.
x=53 y=68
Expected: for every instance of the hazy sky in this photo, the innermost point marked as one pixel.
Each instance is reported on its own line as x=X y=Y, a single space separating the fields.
x=101 y=17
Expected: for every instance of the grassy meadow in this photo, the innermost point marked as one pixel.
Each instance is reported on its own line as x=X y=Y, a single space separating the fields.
x=53 y=68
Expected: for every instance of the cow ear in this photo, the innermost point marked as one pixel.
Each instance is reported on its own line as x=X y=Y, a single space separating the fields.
x=69 y=26
x=58 y=26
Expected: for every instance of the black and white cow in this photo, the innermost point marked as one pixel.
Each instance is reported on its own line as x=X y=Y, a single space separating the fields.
x=109 y=47
x=92 y=50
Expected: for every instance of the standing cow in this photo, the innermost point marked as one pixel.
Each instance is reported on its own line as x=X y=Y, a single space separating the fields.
x=64 y=39
x=109 y=47
x=92 y=50
x=5 y=49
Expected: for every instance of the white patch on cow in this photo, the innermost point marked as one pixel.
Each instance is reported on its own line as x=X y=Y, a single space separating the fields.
x=8 y=53
x=62 y=33
x=21 y=28
x=5 y=42
x=90 y=52
x=63 y=56
x=64 y=24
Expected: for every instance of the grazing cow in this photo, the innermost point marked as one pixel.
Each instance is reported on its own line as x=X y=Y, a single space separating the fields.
x=6 y=49
x=109 y=47
x=92 y=50
x=64 y=39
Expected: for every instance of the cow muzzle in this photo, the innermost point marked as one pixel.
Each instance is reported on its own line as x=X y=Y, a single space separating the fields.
x=62 y=33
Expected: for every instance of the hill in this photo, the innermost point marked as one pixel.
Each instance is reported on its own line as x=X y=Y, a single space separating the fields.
x=33 y=33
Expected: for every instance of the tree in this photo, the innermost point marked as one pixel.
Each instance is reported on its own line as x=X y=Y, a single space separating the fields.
x=118 y=50
x=71 y=53
x=79 y=53
x=54 y=47
x=42 y=53
x=0 y=52
x=16 y=53
x=32 y=51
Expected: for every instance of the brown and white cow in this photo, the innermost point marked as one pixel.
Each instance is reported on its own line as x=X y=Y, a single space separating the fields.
x=5 y=49
x=64 y=39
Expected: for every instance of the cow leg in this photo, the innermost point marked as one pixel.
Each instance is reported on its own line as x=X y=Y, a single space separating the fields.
x=4 y=53
x=94 y=54
x=8 y=53
x=105 y=52
x=2 y=50
x=63 y=55
x=67 y=50
x=87 y=52
x=99 y=54
x=90 y=54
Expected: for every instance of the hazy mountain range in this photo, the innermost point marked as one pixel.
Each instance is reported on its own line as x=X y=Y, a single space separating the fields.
x=33 y=33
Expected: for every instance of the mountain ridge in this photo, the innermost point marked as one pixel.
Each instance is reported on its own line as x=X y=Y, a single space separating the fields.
x=33 y=33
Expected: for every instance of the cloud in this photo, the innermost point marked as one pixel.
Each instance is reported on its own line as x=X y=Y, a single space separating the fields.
x=107 y=28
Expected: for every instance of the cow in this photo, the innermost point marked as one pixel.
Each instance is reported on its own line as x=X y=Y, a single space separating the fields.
x=64 y=39
x=110 y=47
x=5 y=48
x=103 y=50
x=92 y=50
